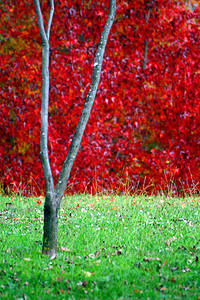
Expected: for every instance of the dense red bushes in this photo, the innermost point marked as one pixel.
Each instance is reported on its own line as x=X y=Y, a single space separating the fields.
x=144 y=129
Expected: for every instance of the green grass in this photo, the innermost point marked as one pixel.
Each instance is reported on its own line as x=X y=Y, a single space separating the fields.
x=120 y=248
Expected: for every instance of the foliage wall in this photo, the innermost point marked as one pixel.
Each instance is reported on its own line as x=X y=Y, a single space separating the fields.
x=144 y=129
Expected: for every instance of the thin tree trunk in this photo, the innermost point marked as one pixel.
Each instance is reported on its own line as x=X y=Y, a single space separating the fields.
x=50 y=229
x=53 y=196
x=50 y=209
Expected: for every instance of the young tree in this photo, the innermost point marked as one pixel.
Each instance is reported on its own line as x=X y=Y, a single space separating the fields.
x=53 y=195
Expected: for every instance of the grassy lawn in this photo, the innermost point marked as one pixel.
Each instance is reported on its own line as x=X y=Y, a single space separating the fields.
x=109 y=248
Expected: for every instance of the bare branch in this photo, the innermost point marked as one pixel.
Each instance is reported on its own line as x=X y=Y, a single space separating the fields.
x=145 y=54
x=147 y=16
x=50 y=18
x=11 y=23
x=6 y=38
x=49 y=185
x=7 y=17
x=40 y=22
x=71 y=155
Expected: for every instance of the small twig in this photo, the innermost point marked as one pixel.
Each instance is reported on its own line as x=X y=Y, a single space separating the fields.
x=147 y=16
x=145 y=55
x=9 y=37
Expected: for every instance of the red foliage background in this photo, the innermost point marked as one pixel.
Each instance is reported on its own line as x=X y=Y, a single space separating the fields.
x=144 y=129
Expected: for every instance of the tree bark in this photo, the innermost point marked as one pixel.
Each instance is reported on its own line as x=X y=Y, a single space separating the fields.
x=50 y=209
x=50 y=230
x=53 y=196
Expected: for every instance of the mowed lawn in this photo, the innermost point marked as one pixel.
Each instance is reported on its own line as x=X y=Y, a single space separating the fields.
x=109 y=247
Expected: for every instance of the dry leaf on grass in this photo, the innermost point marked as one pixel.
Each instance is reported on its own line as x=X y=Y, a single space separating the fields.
x=168 y=242
x=88 y=274
x=186 y=269
x=117 y=252
x=151 y=258
x=91 y=255
x=63 y=249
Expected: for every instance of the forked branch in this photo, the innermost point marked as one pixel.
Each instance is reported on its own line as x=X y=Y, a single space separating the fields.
x=53 y=196
x=71 y=155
